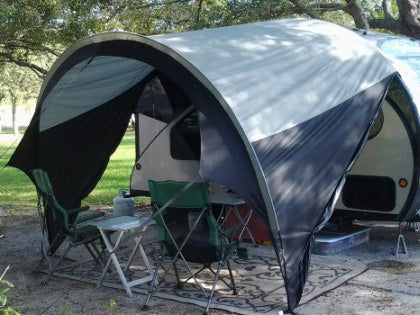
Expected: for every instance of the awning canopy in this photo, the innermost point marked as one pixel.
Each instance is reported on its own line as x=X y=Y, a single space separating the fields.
x=284 y=109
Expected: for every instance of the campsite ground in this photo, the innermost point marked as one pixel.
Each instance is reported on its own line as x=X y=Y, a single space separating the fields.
x=387 y=286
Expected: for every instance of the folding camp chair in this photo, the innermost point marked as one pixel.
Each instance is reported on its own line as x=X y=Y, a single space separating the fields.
x=65 y=223
x=188 y=231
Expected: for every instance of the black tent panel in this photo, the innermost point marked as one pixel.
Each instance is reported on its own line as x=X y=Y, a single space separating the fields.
x=303 y=167
x=76 y=152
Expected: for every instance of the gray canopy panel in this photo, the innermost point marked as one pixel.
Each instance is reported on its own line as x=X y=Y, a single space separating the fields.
x=89 y=84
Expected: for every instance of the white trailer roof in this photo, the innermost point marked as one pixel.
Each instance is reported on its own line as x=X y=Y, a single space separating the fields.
x=404 y=54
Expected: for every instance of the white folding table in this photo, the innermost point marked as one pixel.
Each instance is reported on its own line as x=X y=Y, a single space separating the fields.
x=122 y=225
x=229 y=203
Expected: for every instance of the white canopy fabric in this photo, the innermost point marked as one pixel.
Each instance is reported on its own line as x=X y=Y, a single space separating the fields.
x=277 y=74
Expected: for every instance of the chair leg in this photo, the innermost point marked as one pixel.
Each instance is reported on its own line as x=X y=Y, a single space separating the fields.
x=234 y=291
x=220 y=278
x=57 y=238
x=178 y=281
x=99 y=255
x=44 y=256
x=198 y=272
x=216 y=277
x=92 y=253
x=53 y=269
x=153 y=284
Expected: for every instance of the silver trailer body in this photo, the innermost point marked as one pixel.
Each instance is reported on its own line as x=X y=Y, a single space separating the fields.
x=155 y=160
x=379 y=184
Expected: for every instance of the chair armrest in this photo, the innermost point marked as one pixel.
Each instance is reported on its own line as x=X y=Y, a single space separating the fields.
x=78 y=210
x=230 y=230
x=89 y=216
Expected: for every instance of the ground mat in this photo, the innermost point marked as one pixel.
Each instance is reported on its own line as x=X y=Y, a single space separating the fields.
x=258 y=279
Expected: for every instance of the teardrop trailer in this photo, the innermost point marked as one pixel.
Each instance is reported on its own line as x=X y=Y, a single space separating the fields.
x=384 y=179
x=277 y=112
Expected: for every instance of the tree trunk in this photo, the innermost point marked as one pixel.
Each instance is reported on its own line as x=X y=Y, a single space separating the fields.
x=387 y=7
x=409 y=17
x=355 y=9
x=14 y=120
x=200 y=6
x=1 y=98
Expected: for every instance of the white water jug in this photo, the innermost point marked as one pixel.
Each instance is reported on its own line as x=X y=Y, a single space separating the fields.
x=123 y=204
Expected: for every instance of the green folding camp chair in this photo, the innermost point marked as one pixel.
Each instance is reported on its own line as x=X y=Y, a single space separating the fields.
x=188 y=231
x=65 y=223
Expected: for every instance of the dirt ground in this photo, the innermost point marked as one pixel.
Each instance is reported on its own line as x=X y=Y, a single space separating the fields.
x=389 y=286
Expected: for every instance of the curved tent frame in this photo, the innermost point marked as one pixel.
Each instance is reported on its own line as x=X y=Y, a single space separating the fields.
x=126 y=36
x=284 y=108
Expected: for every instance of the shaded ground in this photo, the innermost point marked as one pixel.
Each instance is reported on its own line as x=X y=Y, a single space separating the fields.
x=387 y=287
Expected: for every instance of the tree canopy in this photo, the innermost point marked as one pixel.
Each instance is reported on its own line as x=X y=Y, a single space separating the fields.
x=33 y=32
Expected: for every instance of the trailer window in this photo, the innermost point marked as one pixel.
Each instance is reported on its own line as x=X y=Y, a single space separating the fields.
x=185 y=141
x=369 y=192
x=397 y=95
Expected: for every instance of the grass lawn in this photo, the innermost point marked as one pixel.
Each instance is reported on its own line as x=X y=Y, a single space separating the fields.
x=17 y=190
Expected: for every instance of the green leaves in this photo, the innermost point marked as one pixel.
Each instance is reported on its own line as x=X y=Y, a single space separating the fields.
x=112 y=303
x=5 y=286
x=3 y=291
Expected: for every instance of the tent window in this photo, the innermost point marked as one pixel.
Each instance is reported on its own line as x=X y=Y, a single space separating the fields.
x=370 y=193
x=162 y=100
x=154 y=102
x=377 y=125
x=398 y=95
x=185 y=141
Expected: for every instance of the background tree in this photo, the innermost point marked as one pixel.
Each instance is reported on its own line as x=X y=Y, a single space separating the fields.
x=17 y=88
x=30 y=28
x=396 y=16
x=33 y=33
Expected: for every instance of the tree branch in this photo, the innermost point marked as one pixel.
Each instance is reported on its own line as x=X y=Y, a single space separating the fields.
x=327 y=7
x=303 y=9
x=31 y=47
x=391 y=25
x=155 y=4
x=355 y=9
x=23 y=63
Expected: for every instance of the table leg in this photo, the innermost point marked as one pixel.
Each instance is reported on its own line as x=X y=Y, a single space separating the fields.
x=110 y=250
x=136 y=247
x=145 y=259
x=114 y=259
